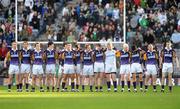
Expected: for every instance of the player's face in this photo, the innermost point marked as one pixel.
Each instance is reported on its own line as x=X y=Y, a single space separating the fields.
x=150 y=47
x=126 y=48
x=38 y=47
x=25 y=45
x=51 y=46
x=14 y=45
x=109 y=47
x=88 y=47
x=168 y=45
x=97 y=47
x=68 y=46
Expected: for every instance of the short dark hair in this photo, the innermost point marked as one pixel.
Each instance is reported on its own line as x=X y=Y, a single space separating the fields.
x=50 y=43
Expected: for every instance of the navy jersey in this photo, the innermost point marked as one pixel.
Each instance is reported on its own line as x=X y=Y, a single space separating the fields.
x=168 y=55
x=69 y=57
x=14 y=56
x=38 y=57
x=151 y=58
x=50 y=56
x=99 y=55
x=87 y=58
x=78 y=56
x=25 y=56
x=136 y=56
x=124 y=57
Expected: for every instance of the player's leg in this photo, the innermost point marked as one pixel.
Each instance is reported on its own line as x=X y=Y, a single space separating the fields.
x=162 y=81
x=170 y=81
x=141 y=81
x=17 y=77
x=72 y=76
x=65 y=77
x=154 y=78
x=83 y=82
x=113 y=76
x=101 y=76
x=108 y=79
x=122 y=81
x=128 y=78
x=134 y=81
x=10 y=82
x=26 y=75
x=33 y=82
x=91 y=82
x=96 y=80
x=147 y=77
x=40 y=76
x=77 y=81
x=48 y=81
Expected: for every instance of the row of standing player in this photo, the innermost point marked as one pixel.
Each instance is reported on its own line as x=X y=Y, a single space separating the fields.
x=95 y=63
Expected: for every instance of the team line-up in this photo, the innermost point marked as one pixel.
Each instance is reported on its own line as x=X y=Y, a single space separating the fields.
x=97 y=64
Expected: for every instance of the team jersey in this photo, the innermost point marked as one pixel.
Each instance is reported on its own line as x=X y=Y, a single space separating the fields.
x=51 y=56
x=25 y=54
x=61 y=61
x=124 y=57
x=110 y=57
x=38 y=57
x=78 y=56
x=99 y=55
x=167 y=55
x=136 y=56
x=151 y=57
x=87 y=57
x=13 y=55
x=68 y=57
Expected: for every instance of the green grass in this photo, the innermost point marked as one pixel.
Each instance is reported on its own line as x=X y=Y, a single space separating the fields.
x=90 y=100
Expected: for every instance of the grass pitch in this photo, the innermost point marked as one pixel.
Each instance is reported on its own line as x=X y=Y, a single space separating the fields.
x=90 y=100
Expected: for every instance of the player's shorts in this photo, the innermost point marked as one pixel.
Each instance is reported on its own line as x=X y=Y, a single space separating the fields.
x=167 y=68
x=37 y=70
x=88 y=70
x=78 y=69
x=98 y=67
x=151 y=70
x=68 y=69
x=13 y=69
x=110 y=68
x=51 y=69
x=25 y=68
x=125 y=69
x=136 y=68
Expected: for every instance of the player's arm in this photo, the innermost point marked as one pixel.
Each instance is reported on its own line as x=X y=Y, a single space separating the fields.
x=32 y=56
x=81 y=57
x=175 y=58
x=157 y=58
x=7 y=58
x=161 y=59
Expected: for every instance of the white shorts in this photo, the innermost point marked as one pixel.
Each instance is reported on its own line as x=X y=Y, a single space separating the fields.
x=78 y=69
x=88 y=70
x=98 y=67
x=151 y=70
x=50 y=69
x=68 y=69
x=110 y=68
x=37 y=70
x=167 y=68
x=25 y=68
x=125 y=69
x=60 y=70
x=13 y=69
x=136 y=68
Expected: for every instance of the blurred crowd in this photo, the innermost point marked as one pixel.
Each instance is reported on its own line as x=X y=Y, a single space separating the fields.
x=152 y=21
x=59 y=20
